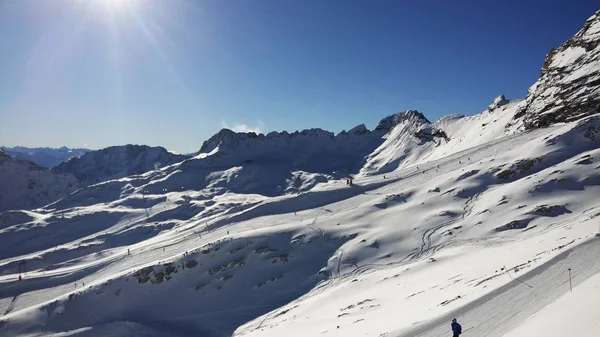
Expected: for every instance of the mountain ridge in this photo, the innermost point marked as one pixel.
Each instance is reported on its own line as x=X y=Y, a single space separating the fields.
x=117 y=162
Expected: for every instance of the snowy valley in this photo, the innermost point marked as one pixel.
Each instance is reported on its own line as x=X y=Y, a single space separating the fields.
x=475 y=217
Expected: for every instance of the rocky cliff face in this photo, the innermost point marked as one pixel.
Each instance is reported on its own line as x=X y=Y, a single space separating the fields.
x=569 y=85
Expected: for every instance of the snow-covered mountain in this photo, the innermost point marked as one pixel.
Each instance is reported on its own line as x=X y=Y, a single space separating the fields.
x=25 y=185
x=474 y=217
x=117 y=162
x=281 y=162
x=569 y=85
x=44 y=156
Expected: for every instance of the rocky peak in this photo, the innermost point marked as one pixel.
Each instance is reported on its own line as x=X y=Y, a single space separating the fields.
x=498 y=102
x=359 y=130
x=569 y=84
x=391 y=121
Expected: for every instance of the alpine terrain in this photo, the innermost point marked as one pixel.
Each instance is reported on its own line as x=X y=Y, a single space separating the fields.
x=389 y=232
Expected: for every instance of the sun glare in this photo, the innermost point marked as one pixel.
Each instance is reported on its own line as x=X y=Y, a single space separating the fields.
x=119 y=4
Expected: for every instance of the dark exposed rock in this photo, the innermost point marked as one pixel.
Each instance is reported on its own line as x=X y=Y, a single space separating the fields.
x=569 y=84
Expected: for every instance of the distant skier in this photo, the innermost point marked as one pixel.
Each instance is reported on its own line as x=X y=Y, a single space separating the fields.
x=456 y=328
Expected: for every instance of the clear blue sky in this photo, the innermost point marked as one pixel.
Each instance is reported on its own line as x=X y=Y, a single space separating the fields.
x=95 y=73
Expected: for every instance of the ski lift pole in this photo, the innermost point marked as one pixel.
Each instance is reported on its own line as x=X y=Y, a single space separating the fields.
x=570 y=282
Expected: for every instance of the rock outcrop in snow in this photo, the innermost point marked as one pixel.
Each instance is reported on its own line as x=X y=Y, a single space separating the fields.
x=117 y=162
x=569 y=85
x=25 y=185
x=410 y=116
x=498 y=102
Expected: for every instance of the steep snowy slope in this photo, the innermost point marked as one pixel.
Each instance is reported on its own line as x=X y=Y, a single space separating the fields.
x=25 y=185
x=569 y=85
x=44 y=156
x=117 y=162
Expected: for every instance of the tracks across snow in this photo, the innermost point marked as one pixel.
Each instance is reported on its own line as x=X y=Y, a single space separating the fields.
x=506 y=307
x=426 y=248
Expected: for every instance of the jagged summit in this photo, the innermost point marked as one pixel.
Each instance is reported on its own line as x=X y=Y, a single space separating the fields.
x=569 y=84
x=357 y=130
x=409 y=115
x=498 y=102
x=227 y=140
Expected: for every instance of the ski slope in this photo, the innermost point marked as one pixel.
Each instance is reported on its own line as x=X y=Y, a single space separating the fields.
x=457 y=233
x=579 y=308
x=510 y=305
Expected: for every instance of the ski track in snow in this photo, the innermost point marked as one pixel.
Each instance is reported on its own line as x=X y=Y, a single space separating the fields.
x=495 y=312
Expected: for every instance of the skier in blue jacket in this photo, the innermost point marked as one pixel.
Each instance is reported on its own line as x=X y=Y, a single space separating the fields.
x=456 y=328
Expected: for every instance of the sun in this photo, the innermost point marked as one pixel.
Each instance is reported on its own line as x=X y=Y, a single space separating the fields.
x=119 y=4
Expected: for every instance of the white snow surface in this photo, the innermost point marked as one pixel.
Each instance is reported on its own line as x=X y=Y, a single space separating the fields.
x=481 y=226
x=573 y=314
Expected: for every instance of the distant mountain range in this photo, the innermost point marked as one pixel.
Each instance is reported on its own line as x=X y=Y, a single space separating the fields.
x=44 y=156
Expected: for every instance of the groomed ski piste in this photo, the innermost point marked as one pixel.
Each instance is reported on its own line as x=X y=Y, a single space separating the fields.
x=482 y=227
